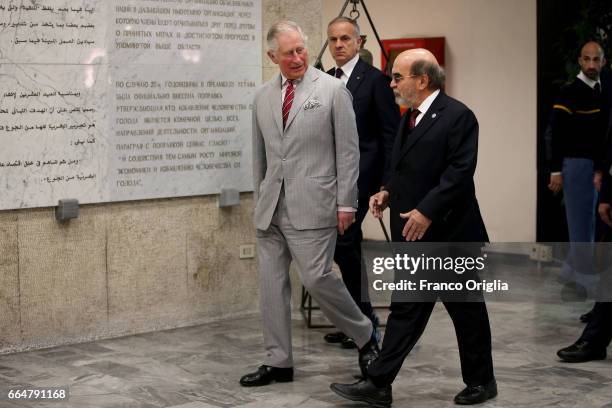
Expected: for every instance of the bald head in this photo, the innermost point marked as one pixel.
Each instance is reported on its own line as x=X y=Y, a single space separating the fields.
x=592 y=47
x=416 y=75
x=591 y=60
x=416 y=54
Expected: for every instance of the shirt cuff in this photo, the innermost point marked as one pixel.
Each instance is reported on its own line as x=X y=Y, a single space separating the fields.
x=347 y=209
x=555 y=173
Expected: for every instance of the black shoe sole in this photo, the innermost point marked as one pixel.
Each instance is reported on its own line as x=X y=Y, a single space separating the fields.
x=372 y=402
x=348 y=344
x=333 y=340
x=478 y=401
x=277 y=380
x=582 y=360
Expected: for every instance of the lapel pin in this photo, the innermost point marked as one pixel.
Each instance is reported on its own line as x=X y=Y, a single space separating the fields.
x=433 y=115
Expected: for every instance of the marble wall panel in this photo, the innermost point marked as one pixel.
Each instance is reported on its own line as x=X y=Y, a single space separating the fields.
x=62 y=275
x=308 y=15
x=10 y=327
x=125 y=49
x=52 y=31
x=184 y=33
x=200 y=123
x=220 y=283
x=53 y=132
x=177 y=262
x=271 y=13
x=146 y=263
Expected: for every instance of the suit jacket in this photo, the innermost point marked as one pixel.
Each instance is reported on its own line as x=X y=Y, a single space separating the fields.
x=433 y=172
x=606 y=187
x=316 y=157
x=377 y=117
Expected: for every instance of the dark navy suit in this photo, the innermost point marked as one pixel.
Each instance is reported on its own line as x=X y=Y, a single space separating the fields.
x=598 y=331
x=432 y=170
x=377 y=118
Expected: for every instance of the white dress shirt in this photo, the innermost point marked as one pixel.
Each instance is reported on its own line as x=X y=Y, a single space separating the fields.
x=425 y=105
x=347 y=69
x=588 y=80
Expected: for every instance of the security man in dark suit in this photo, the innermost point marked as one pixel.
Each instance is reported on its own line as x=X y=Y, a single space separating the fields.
x=431 y=195
x=377 y=118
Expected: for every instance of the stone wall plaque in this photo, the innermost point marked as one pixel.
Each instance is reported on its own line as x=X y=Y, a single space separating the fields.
x=124 y=100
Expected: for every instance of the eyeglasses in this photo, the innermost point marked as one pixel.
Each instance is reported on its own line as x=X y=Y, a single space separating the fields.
x=398 y=77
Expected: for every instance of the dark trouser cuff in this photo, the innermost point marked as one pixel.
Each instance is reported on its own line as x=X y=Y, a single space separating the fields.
x=377 y=381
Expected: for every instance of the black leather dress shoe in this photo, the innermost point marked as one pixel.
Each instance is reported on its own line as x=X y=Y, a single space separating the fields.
x=365 y=391
x=348 y=343
x=367 y=354
x=265 y=375
x=580 y=352
x=335 y=337
x=477 y=394
x=585 y=318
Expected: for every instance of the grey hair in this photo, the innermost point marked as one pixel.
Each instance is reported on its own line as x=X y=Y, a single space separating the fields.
x=434 y=71
x=282 y=26
x=344 y=19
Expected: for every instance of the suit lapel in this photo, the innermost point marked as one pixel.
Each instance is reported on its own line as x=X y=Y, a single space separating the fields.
x=275 y=100
x=302 y=92
x=430 y=117
x=357 y=76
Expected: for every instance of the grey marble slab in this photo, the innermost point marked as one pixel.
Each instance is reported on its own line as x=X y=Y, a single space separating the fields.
x=199 y=367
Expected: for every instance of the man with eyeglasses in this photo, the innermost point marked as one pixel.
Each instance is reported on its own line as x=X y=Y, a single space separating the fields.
x=377 y=118
x=431 y=196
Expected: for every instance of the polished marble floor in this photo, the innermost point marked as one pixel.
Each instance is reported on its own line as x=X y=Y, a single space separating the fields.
x=199 y=367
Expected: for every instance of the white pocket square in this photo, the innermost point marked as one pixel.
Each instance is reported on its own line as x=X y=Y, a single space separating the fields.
x=312 y=104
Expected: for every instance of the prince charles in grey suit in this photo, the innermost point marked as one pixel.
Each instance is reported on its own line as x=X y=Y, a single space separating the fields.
x=306 y=164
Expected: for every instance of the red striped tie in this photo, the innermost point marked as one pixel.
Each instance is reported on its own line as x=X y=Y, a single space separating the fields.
x=288 y=101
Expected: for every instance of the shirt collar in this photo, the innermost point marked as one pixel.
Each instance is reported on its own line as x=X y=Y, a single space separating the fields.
x=347 y=69
x=426 y=104
x=284 y=81
x=588 y=80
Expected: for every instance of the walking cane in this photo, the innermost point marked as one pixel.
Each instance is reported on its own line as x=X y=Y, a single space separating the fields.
x=382 y=225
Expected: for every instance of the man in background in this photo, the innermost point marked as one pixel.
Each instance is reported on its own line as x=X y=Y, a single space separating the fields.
x=578 y=126
x=596 y=337
x=377 y=117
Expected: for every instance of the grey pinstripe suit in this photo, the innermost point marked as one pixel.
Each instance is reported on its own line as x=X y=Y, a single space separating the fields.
x=301 y=175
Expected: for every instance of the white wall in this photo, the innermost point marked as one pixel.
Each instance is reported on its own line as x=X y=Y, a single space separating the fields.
x=491 y=64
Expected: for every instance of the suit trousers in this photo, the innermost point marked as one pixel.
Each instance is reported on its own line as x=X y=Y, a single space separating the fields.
x=580 y=203
x=580 y=198
x=406 y=324
x=598 y=330
x=348 y=257
x=312 y=251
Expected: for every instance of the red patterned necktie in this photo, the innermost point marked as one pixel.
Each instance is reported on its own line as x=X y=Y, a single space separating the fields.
x=413 y=117
x=287 y=101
